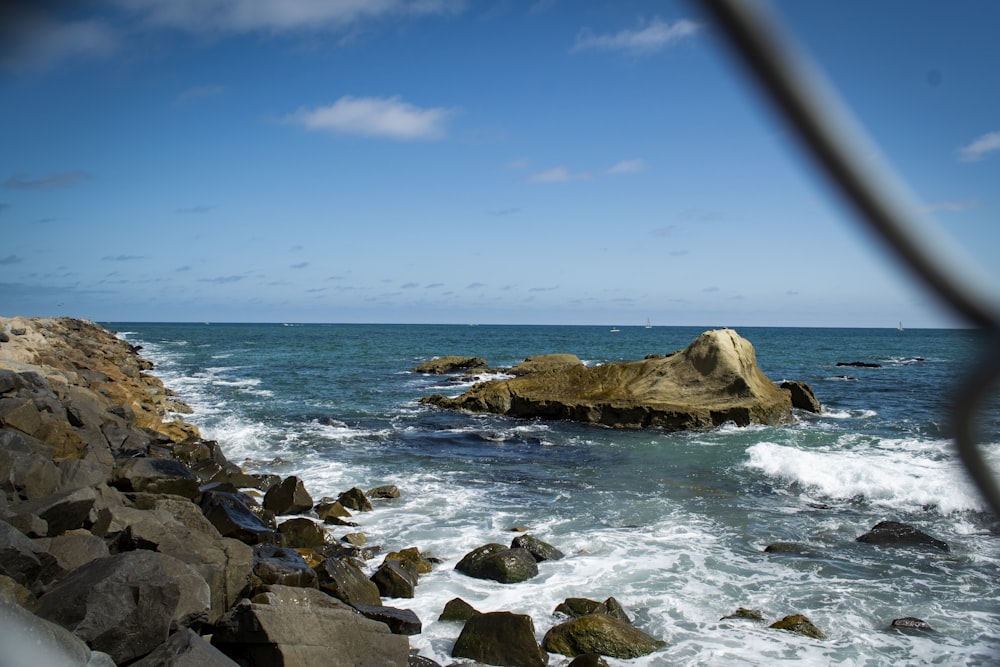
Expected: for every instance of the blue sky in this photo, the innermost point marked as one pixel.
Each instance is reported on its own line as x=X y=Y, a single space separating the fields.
x=547 y=161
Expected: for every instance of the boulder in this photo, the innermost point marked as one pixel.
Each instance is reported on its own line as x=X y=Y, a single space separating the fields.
x=73 y=550
x=540 y=550
x=545 y=362
x=26 y=467
x=588 y=660
x=911 y=625
x=153 y=475
x=62 y=511
x=497 y=562
x=127 y=604
x=412 y=557
x=399 y=621
x=799 y=624
x=577 y=607
x=714 y=380
x=601 y=634
x=500 y=638
x=13 y=592
x=307 y=636
x=284 y=567
x=288 y=497
x=232 y=517
x=21 y=559
x=449 y=364
x=744 y=614
x=301 y=532
x=328 y=508
x=345 y=581
x=355 y=499
x=387 y=491
x=457 y=609
x=395 y=579
x=802 y=396
x=894 y=533
x=185 y=648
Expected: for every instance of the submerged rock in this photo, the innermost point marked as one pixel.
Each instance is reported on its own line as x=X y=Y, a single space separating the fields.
x=714 y=380
x=449 y=364
x=894 y=533
x=799 y=624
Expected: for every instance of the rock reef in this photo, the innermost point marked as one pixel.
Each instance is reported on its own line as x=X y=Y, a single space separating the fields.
x=712 y=381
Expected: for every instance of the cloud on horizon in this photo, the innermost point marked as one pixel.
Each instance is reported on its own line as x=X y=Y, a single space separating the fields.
x=645 y=40
x=62 y=180
x=979 y=147
x=385 y=117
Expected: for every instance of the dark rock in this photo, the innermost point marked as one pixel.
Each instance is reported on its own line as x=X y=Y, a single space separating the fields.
x=301 y=532
x=911 y=625
x=395 y=579
x=421 y=661
x=500 y=638
x=151 y=475
x=345 y=581
x=497 y=562
x=185 y=648
x=400 y=621
x=601 y=634
x=355 y=499
x=284 y=567
x=799 y=624
x=859 y=364
x=307 y=636
x=457 y=609
x=787 y=548
x=588 y=660
x=540 y=550
x=126 y=605
x=449 y=364
x=74 y=550
x=577 y=607
x=21 y=559
x=744 y=613
x=412 y=557
x=275 y=594
x=386 y=491
x=233 y=518
x=288 y=497
x=26 y=468
x=893 y=533
x=328 y=507
x=62 y=511
x=802 y=396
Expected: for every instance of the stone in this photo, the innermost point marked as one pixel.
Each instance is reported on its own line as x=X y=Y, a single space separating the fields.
x=894 y=533
x=577 y=607
x=744 y=613
x=500 y=638
x=345 y=581
x=799 y=624
x=11 y=591
x=126 y=604
x=497 y=562
x=307 y=636
x=62 y=511
x=185 y=648
x=27 y=471
x=395 y=579
x=285 y=567
x=713 y=381
x=233 y=518
x=355 y=499
x=412 y=557
x=449 y=364
x=399 y=621
x=75 y=550
x=601 y=634
x=276 y=594
x=588 y=660
x=301 y=532
x=541 y=551
x=152 y=475
x=288 y=497
x=457 y=609
x=911 y=625
x=388 y=491
x=802 y=396
x=21 y=559
x=330 y=508
x=545 y=362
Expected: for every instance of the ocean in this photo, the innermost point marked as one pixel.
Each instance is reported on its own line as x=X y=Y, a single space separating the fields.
x=672 y=525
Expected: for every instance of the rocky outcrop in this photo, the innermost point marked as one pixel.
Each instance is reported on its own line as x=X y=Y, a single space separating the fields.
x=714 y=380
x=125 y=536
x=500 y=638
x=894 y=533
x=449 y=364
x=601 y=634
x=499 y=563
x=798 y=624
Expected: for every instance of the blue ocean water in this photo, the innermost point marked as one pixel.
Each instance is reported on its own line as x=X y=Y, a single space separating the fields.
x=673 y=525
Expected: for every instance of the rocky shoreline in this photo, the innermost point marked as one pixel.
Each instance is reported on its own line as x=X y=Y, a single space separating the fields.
x=128 y=539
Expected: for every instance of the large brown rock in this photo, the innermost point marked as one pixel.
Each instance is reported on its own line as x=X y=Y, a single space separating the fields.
x=500 y=638
x=714 y=380
x=601 y=634
x=449 y=364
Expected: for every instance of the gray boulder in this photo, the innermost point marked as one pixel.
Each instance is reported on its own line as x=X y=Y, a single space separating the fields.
x=283 y=567
x=288 y=497
x=894 y=533
x=540 y=550
x=345 y=581
x=232 y=517
x=601 y=634
x=185 y=648
x=127 y=604
x=153 y=475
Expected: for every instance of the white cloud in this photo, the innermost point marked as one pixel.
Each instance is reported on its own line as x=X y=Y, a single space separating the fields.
x=375 y=117
x=271 y=15
x=36 y=42
x=646 y=39
x=558 y=175
x=627 y=166
x=987 y=143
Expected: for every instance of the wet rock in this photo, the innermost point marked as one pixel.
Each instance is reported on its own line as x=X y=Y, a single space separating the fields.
x=802 y=396
x=497 y=562
x=152 y=475
x=541 y=551
x=395 y=579
x=126 y=605
x=799 y=624
x=400 y=621
x=588 y=660
x=787 y=548
x=449 y=364
x=284 y=567
x=355 y=539
x=387 y=491
x=412 y=557
x=894 y=533
x=355 y=499
x=744 y=613
x=232 y=517
x=500 y=638
x=328 y=508
x=301 y=532
x=601 y=634
x=457 y=609
x=345 y=581
x=288 y=497
x=911 y=625
x=859 y=364
x=577 y=607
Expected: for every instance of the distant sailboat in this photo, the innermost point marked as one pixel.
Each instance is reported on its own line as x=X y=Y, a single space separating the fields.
x=649 y=325
x=615 y=330
x=900 y=327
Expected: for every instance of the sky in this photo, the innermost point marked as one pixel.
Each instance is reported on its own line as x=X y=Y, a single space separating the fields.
x=476 y=162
